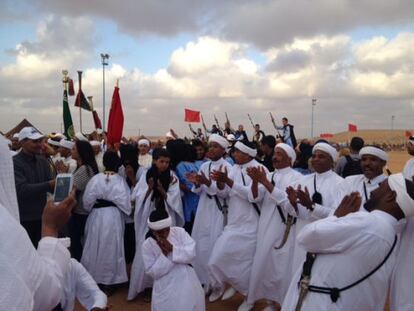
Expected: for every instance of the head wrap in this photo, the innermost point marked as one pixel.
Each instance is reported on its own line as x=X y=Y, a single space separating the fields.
x=169 y=135
x=16 y=135
x=160 y=224
x=231 y=137
x=67 y=144
x=95 y=143
x=326 y=148
x=397 y=183
x=144 y=141
x=289 y=151
x=375 y=151
x=245 y=149
x=80 y=136
x=53 y=142
x=219 y=139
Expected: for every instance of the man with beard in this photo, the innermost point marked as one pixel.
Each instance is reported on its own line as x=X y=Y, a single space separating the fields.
x=271 y=270
x=373 y=161
x=232 y=256
x=351 y=254
x=317 y=195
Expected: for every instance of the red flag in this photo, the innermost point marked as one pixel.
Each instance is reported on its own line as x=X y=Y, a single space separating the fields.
x=116 y=119
x=71 y=88
x=96 y=120
x=408 y=134
x=326 y=135
x=192 y=116
x=352 y=128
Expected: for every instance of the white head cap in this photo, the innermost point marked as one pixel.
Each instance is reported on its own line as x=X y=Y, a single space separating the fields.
x=29 y=133
x=219 y=139
x=375 y=151
x=326 y=148
x=160 y=224
x=289 y=151
x=245 y=149
x=67 y=144
x=80 y=136
x=53 y=142
x=144 y=141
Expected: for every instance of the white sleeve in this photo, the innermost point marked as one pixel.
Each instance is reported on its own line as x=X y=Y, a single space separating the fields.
x=330 y=235
x=174 y=201
x=87 y=291
x=55 y=258
x=90 y=195
x=156 y=264
x=185 y=251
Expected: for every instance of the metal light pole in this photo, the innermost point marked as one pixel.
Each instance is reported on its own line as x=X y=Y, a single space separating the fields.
x=104 y=60
x=313 y=106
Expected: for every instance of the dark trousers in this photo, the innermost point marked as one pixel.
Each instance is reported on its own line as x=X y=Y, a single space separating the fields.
x=76 y=227
x=129 y=242
x=34 y=230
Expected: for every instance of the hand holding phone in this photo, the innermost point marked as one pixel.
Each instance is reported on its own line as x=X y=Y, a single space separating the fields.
x=63 y=187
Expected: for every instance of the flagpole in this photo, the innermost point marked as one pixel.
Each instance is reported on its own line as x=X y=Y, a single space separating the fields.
x=104 y=60
x=80 y=108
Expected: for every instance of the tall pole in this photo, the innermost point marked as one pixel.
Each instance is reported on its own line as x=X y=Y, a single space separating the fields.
x=104 y=60
x=313 y=106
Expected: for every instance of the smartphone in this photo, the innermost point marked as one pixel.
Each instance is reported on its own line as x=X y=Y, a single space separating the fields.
x=63 y=187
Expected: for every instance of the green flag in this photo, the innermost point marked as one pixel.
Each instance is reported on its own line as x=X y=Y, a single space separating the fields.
x=67 y=118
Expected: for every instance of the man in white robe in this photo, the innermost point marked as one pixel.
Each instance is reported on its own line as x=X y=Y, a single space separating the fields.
x=209 y=219
x=144 y=157
x=107 y=199
x=167 y=255
x=373 y=161
x=353 y=252
x=271 y=271
x=145 y=203
x=65 y=152
x=30 y=279
x=232 y=256
x=317 y=195
x=401 y=294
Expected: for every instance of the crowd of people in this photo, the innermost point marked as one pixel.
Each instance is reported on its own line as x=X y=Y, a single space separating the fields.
x=295 y=224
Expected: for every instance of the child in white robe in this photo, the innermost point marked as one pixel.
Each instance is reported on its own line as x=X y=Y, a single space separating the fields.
x=107 y=198
x=159 y=183
x=167 y=253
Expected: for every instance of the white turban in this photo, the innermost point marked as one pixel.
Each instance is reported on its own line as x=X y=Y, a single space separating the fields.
x=16 y=136
x=245 y=149
x=8 y=196
x=375 y=151
x=326 y=148
x=160 y=224
x=289 y=151
x=144 y=141
x=53 y=142
x=404 y=200
x=80 y=136
x=219 y=139
x=231 y=137
x=169 y=135
x=95 y=143
x=67 y=144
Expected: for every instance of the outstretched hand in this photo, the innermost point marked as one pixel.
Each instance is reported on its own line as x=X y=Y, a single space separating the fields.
x=349 y=204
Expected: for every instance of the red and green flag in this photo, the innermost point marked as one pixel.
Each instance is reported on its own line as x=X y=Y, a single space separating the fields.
x=67 y=118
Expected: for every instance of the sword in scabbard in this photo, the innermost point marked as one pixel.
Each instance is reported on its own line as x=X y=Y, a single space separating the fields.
x=304 y=288
x=289 y=223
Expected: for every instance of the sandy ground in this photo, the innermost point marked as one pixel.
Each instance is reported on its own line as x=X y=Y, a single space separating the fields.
x=119 y=303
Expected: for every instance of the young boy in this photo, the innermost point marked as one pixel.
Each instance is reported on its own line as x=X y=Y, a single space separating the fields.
x=167 y=253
